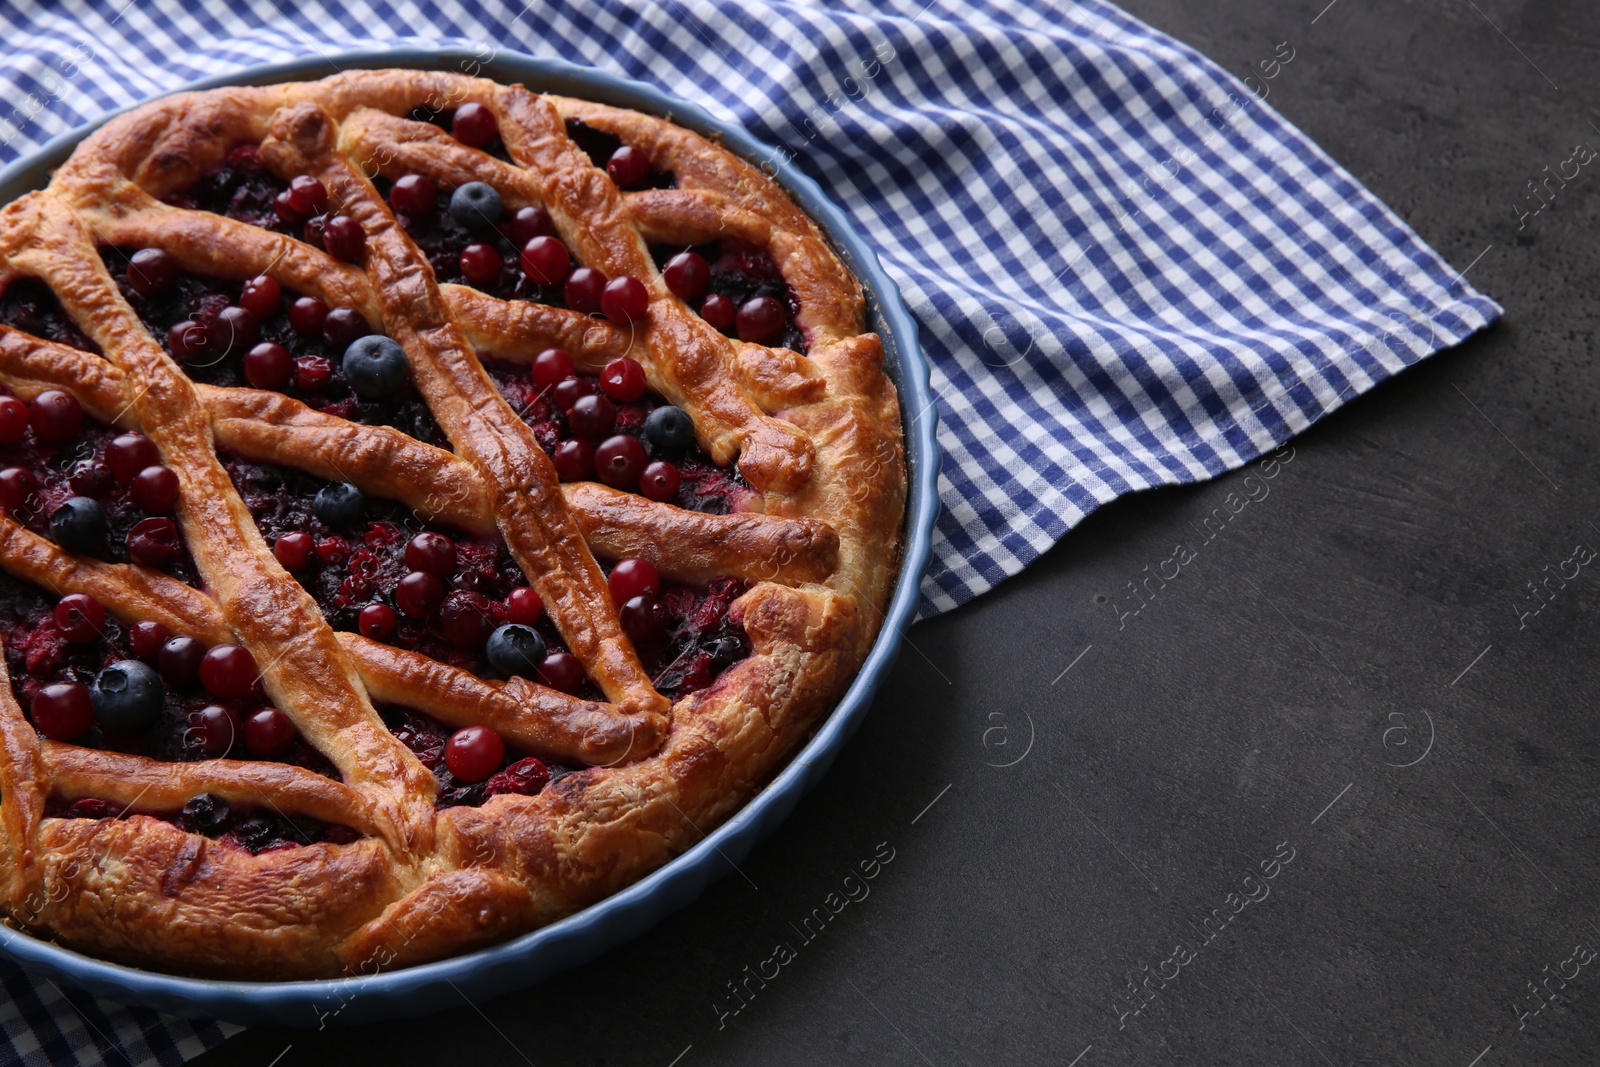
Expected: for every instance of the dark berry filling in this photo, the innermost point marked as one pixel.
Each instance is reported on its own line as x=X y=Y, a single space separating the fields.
x=314 y=373
x=428 y=738
x=443 y=238
x=701 y=639
x=444 y=603
x=29 y=305
x=445 y=120
x=39 y=654
x=352 y=566
x=254 y=829
x=241 y=188
x=80 y=466
x=703 y=486
x=742 y=273
x=601 y=147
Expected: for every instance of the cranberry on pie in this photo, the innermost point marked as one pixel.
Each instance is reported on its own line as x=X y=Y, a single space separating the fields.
x=426 y=507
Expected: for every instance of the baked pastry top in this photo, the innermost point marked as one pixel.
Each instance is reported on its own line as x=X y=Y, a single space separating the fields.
x=426 y=507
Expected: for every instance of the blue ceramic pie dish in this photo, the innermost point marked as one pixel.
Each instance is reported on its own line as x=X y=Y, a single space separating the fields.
x=627 y=914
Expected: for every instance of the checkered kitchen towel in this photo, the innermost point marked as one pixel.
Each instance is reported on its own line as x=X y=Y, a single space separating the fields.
x=1129 y=271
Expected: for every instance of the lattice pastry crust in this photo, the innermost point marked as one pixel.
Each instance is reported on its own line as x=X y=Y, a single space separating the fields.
x=817 y=437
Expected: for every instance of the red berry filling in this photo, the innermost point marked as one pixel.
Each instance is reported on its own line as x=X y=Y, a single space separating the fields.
x=627 y=165
x=488 y=766
x=737 y=288
x=242 y=188
x=55 y=647
x=489 y=259
x=472 y=124
x=29 y=305
x=38 y=475
x=297 y=348
x=256 y=830
x=433 y=590
x=702 y=485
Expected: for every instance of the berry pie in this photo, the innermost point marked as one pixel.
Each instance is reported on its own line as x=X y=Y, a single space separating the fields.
x=426 y=507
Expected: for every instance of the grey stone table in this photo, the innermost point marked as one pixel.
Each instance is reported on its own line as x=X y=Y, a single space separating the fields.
x=1328 y=797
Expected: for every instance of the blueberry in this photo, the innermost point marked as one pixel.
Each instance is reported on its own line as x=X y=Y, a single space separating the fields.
x=516 y=649
x=726 y=651
x=206 y=814
x=340 y=505
x=476 y=205
x=669 y=429
x=127 y=696
x=376 y=366
x=79 y=525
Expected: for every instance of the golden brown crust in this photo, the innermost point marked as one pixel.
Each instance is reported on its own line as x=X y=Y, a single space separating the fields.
x=817 y=436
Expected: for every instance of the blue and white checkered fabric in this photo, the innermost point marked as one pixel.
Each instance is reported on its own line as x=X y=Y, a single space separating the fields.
x=1129 y=270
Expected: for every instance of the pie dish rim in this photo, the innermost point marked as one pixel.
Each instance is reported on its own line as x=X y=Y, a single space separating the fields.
x=626 y=914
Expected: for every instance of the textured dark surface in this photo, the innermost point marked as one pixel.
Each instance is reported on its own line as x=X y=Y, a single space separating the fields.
x=1370 y=610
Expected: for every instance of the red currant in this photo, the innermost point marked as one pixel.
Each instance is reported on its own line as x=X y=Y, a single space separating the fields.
x=474 y=125
x=307 y=315
x=584 y=289
x=283 y=207
x=574 y=461
x=261 y=296
x=154 y=542
x=625 y=299
x=269 y=733
x=294 y=550
x=307 y=195
x=568 y=391
x=760 y=320
x=592 y=417
x=80 y=618
x=415 y=195
x=343 y=327
x=530 y=222
x=214 y=729
x=13 y=420
x=431 y=552
x=418 y=594
x=152 y=272
x=474 y=753
x=719 y=312
x=333 y=551
x=633 y=577
x=63 y=711
x=480 y=263
x=311 y=373
x=228 y=671
x=377 y=621
x=545 y=260
x=660 y=481
x=268 y=366
x=623 y=380
x=562 y=671
x=344 y=238
x=130 y=453
x=524 y=606
x=628 y=166
x=551 y=366
x=619 y=460
x=687 y=274
x=644 y=620
x=466 y=619
x=155 y=490
x=18 y=488
x=146 y=638
x=55 y=415
x=179 y=661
